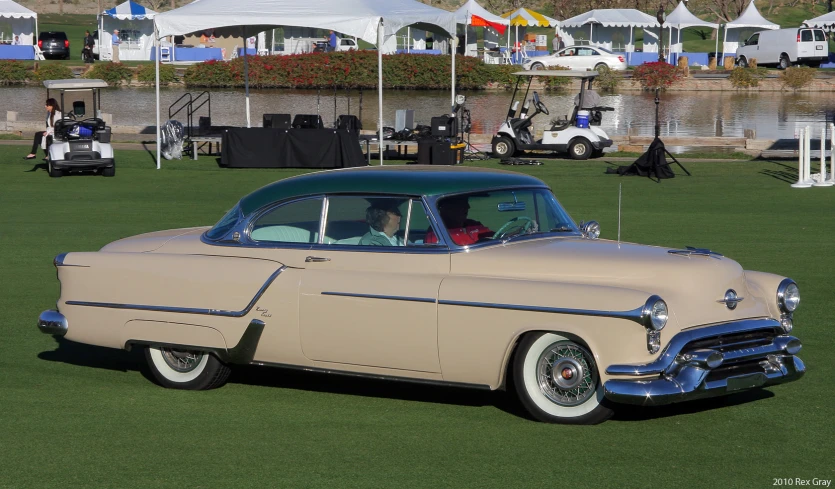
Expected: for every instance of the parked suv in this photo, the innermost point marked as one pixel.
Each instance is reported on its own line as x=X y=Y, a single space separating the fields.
x=785 y=47
x=54 y=45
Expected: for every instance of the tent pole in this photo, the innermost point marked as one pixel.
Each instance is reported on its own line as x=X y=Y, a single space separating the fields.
x=466 y=41
x=717 y=43
x=246 y=78
x=380 y=89
x=156 y=72
x=454 y=43
x=409 y=39
x=724 y=40
x=36 y=30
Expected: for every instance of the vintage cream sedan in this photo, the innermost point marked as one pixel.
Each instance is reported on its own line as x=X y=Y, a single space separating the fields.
x=460 y=276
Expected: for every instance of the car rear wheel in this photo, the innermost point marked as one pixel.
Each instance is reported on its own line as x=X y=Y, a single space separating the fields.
x=537 y=67
x=580 y=149
x=556 y=380
x=109 y=172
x=503 y=148
x=601 y=68
x=185 y=369
x=785 y=62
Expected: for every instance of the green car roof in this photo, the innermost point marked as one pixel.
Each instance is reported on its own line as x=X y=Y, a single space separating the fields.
x=394 y=180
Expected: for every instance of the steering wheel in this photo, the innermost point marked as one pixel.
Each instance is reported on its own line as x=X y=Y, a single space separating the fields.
x=517 y=225
x=539 y=105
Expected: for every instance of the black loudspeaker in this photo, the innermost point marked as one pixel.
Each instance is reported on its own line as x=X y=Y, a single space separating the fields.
x=425 y=151
x=307 y=121
x=349 y=122
x=444 y=127
x=277 y=121
x=204 y=125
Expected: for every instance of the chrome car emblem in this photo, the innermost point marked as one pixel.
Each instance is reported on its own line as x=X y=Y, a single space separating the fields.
x=731 y=299
x=690 y=251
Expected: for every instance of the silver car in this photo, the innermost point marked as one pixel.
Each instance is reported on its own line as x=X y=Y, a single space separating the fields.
x=577 y=58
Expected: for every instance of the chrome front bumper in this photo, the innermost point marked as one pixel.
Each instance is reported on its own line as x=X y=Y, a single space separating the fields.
x=53 y=322
x=711 y=361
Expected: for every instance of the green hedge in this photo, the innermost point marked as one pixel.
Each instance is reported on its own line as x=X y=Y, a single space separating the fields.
x=12 y=72
x=354 y=69
x=147 y=74
x=52 y=72
x=112 y=73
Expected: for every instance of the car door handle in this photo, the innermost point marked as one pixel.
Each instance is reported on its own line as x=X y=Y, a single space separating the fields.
x=316 y=259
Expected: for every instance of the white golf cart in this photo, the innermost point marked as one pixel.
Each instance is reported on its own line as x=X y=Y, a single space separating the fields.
x=80 y=142
x=578 y=135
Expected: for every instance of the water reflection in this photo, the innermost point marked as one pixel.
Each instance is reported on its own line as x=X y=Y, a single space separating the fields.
x=701 y=113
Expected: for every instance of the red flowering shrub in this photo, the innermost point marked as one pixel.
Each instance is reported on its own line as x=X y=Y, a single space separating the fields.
x=657 y=75
x=354 y=69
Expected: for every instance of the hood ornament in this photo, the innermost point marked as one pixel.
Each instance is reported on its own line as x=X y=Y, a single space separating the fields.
x=691 y=251
x=731 y=299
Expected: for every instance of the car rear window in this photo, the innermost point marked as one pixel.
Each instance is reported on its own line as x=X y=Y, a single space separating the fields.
x=53 y=35
x=805 y=36
x=820 y=36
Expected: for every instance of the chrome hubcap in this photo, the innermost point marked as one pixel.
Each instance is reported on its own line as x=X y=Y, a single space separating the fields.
x=579 y=149
x=181 y=360
x=565 y=373
x=501 y=148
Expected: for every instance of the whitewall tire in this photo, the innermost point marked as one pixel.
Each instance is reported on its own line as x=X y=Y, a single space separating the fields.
x=184 y=369
x=557 y=381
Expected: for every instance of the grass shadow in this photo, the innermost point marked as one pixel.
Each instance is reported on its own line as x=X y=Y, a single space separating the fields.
x=784 y=172
x=643 y=413
x=94 y=356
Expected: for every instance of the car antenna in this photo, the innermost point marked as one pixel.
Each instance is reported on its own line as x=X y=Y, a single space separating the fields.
x=620 y=192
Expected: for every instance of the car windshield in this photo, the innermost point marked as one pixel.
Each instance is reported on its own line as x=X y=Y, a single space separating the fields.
x=500 y=215
x=226 y=223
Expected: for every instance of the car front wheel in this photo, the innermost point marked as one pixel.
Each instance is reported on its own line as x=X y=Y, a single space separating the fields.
x=743 y=63
x=785 y=62
x=503 y=148
x=185 y=369
x=537 y=67
x=580 y=149
x=556 y=381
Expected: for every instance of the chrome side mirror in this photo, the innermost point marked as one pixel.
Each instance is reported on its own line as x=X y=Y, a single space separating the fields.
x=590 y=230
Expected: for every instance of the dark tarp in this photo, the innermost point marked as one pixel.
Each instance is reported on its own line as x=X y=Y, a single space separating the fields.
x=259 y=147
x=651 y=164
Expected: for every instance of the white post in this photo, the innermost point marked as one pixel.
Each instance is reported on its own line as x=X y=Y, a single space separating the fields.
x=831 y=153
x=823 y=180
x=156 y=70
x=807 y=177
x=408 y=39
x=380 y=87
x=246 y=78
x=454 y=43
x=466 y=42
x=801 y=162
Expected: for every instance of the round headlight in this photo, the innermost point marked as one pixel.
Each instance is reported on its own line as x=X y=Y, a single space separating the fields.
x=655 y=313
x=788 y=295
x=590 y=229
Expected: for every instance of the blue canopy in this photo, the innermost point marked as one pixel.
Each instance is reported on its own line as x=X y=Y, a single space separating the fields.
x=130 y=11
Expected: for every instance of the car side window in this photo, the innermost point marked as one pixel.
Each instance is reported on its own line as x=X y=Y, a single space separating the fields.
x=754 y=39
x=295 y=222
x=375 y=221
x=585 y=52
x=805 y=35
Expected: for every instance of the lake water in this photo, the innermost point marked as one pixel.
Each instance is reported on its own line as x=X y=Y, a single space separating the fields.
x=774 y=115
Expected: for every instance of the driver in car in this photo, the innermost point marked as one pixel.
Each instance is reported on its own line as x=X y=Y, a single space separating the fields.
x=462 y=230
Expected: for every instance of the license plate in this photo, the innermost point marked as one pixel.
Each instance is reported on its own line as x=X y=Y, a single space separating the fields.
x=746 y=382
x=819 y=48
x=83 y=146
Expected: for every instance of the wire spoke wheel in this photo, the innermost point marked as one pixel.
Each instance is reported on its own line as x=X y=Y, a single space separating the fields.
x=181 y=360
x=566 y=374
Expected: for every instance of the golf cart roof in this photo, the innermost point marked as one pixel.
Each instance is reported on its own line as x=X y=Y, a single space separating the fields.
x=73 y=84
x=563 y=73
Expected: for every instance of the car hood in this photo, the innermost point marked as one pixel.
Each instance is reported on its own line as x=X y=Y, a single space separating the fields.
x=691 y=285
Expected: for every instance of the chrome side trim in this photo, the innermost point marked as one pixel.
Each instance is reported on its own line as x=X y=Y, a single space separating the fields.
x=633 y=315
x=242 y=353
x=187 y=310
x=53 y=322
x=384 y=297
x=678 y=342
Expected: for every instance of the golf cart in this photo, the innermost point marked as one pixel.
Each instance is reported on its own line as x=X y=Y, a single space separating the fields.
x=578 y=135
x=80 y=142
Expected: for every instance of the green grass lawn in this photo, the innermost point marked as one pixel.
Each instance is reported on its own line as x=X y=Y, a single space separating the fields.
x=83 y=417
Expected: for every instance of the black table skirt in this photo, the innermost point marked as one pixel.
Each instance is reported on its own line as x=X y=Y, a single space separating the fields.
x=264 y=147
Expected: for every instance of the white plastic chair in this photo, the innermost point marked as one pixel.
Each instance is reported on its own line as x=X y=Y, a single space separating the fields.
x=234 y=52
x=165 y=54
x=38 y=53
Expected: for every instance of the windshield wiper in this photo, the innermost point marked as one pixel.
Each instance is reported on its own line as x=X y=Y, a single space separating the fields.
x=562 y=229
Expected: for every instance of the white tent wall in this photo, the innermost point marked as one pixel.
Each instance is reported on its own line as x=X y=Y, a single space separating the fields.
x=741 y=28
x=616 y=39
x=139 y=47
x=734 y=37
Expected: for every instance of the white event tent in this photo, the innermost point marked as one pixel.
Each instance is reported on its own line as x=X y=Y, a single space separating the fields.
x=136 y=28
x=471 y=14
x=825 y=21
x=681 y=18
x=750 y=17
x=19 y=21
x=370 y=20
x=612 y=25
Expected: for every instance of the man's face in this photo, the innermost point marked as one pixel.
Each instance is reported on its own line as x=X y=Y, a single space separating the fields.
x=393 y=223
x=455 y=213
